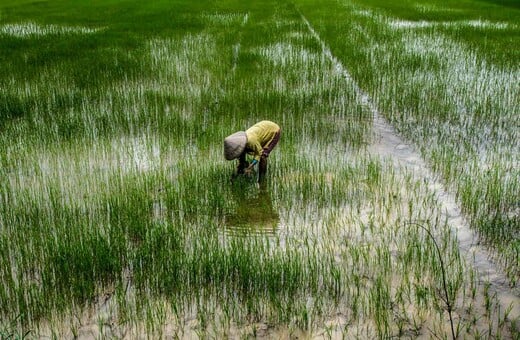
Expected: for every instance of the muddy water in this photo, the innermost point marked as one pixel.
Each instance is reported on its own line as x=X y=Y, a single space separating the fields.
x=389 y=145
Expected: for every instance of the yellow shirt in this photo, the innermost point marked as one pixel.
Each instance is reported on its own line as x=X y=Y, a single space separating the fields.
x=259 y=136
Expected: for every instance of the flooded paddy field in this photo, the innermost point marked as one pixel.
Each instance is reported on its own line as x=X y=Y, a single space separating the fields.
x=390 y=207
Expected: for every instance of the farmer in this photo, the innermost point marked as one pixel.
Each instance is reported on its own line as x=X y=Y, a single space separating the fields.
x=259 y=140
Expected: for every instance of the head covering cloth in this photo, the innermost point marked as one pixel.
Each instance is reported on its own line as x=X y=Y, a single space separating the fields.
x=234 y=145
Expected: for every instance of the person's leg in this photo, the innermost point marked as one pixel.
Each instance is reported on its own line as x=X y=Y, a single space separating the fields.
x=262 y=168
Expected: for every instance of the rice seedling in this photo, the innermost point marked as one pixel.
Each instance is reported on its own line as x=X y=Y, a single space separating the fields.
x=446 y=92
x=118 y=217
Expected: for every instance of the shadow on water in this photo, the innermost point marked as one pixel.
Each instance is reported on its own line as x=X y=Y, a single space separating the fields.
x=254 y=213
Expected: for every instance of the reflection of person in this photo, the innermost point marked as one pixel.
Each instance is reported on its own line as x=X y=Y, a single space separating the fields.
x=254 y=212
x=258 y=141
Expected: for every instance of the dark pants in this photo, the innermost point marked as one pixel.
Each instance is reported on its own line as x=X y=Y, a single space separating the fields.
x=262 y=168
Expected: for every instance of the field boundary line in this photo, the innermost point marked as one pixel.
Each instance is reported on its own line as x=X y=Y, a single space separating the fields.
x=390 y=145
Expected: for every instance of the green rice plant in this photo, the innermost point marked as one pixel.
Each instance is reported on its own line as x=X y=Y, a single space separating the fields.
x=117 y=203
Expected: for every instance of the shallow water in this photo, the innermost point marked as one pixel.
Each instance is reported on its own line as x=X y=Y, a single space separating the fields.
x=254 y=213
x=389 y=145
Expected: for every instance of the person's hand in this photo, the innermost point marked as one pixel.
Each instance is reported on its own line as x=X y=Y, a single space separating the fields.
x=247 y=171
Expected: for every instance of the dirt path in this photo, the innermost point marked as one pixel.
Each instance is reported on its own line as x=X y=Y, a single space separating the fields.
x=389 y=145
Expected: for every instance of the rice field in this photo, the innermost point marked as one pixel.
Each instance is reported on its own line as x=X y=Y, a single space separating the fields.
x=118 y=216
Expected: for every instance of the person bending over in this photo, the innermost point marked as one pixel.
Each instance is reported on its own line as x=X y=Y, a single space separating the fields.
x=259 y=140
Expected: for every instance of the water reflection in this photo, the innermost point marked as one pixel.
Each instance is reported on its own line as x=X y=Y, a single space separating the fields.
x=254 y=213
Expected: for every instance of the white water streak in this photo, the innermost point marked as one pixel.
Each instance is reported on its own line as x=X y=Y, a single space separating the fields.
x=485 y=24
x=226 y=19
x=31 y=29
